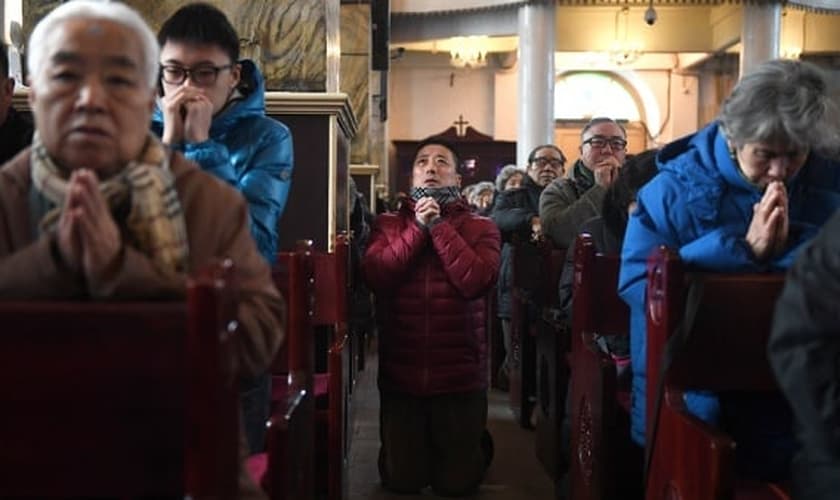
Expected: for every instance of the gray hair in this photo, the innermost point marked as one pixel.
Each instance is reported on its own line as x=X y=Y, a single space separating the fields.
x=782 y=101
x=506 y=173
x=117 y=12
x=597 y=121
x=483 y=186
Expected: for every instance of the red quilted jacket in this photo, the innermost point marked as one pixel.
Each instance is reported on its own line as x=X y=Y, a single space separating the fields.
x=430 y=287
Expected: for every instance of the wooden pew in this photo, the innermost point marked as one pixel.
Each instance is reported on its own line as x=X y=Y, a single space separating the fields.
x=725 y=350
x=120 y=399
x=333 y=405
x=529 y=287
x=552 y=378
x=604 y=463
x=286 y=470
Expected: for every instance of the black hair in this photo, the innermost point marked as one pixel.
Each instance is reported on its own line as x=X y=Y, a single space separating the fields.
x=441 y=141
x=637 y=171
x=4 y=60
x=597 y=121
x=201 y=24
x=545 y=146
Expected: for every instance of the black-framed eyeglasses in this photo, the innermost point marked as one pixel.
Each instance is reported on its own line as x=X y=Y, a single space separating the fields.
x=203 y=74
x=600 y=142
x=543 y=161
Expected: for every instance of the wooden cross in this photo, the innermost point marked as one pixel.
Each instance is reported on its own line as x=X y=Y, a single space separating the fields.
x=460 y=123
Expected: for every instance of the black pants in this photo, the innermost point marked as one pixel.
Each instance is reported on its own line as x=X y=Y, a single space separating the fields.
x=437 y=441
x=255 y=398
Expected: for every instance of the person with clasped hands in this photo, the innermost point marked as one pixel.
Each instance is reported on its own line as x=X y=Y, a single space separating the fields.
x=430 y=266
x=743 y=194
x=568 y=202
x=97 y=208
x=212 y=109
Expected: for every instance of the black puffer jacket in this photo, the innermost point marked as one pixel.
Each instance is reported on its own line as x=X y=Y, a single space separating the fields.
x=804 y=350
x=512 y=213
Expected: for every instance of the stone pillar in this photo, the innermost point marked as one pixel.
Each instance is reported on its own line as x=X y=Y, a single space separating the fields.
x=535 y=119
x=760 y=34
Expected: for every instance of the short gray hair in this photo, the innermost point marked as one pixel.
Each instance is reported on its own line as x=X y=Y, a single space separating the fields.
x=506 y=173
x=117 y=12
x=782 y=101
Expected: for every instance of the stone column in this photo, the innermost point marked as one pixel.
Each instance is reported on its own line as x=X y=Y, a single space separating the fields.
x=535 y=118
x=760 y=34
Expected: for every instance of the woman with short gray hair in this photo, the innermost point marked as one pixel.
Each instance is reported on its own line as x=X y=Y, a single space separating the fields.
x=744 y=194
x=505 y=179
x=785 y=102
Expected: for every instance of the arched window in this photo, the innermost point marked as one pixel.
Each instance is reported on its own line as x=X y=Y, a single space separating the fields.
x=583 y=95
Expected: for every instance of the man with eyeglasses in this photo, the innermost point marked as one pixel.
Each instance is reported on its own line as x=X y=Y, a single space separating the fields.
x=212 y=108
x=516 y=212
x=569 y=202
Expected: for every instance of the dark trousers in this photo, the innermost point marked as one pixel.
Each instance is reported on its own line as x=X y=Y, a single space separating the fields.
x=433 y=441
x=255 y=398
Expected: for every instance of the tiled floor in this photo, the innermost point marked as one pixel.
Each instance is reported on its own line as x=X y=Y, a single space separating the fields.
x=515 y=473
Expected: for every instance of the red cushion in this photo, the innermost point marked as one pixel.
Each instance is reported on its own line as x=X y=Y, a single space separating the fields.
x=322 y=390
x=755 y=490
x=623 y=400
x=321 y=384
x=279 y=388
x=257 y=465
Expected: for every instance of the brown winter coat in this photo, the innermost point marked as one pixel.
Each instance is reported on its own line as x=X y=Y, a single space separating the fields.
x=217 y=226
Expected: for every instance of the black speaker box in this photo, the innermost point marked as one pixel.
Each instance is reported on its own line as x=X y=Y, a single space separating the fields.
x=380 y=32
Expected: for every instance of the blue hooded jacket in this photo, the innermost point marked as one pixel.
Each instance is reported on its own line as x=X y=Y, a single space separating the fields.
x=701 y=204
x=250 y=151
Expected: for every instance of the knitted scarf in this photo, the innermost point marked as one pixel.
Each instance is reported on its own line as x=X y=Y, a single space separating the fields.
x=155 y=221
x=584 y=177
x=442 y=195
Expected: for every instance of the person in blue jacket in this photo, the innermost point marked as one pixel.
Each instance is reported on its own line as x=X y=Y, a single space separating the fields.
x=212 y=108
x=741 y=195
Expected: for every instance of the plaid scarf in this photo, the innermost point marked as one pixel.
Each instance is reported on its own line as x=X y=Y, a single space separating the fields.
x=442 y=195
x=155 y=221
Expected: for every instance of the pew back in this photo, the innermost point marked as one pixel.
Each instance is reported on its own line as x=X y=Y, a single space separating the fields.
x=291 y=460
x=602 y=462
x=725 y=350
x=119 y=399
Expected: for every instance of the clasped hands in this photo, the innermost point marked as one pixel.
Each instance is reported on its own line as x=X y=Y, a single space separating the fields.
x=88 y=239
x=187 y=115
x=606 y=171
x=768 y=232
x=426 y=210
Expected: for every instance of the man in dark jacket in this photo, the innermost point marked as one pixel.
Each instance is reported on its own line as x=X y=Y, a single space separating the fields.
x=15 y=129
x=567 y=203
x=803 y=350
x=431 y=265
x=516 y=212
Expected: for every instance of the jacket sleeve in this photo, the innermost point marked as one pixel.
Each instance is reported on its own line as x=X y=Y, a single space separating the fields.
x=511 y=218
x=562 y=213
x=265 y=181
x=471 y=269
x=391 y=250
x=37 y=272
x=803 y=350
x=721 y=251
x=566 y=284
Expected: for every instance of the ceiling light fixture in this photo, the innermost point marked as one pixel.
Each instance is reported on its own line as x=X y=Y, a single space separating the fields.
x=468 y=51
x=623 y=51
